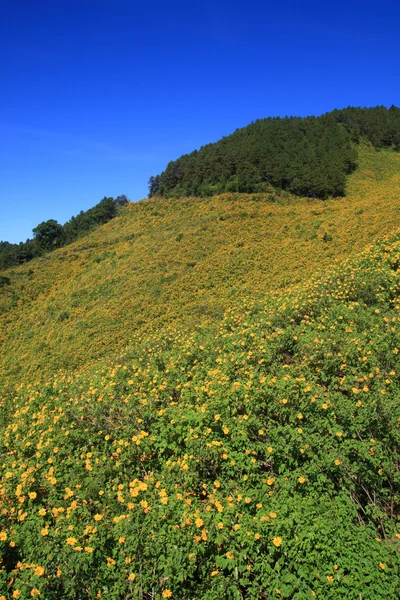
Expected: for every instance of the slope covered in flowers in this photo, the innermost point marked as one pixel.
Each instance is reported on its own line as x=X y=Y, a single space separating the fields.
x=255 y=460
x=182 y=261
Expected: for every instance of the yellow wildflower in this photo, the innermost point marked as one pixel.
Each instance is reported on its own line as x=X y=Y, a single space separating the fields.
x=277 y=541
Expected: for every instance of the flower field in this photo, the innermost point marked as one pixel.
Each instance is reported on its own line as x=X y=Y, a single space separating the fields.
x=258 y=460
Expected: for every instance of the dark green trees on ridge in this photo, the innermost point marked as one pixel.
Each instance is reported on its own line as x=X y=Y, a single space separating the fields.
x=309 y=156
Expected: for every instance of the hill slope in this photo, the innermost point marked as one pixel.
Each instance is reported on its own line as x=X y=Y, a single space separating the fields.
x=182 y=261
x=259 y=461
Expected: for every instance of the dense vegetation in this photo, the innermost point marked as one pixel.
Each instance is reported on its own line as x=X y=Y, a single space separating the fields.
x=307 y=156
x=50 y=234
x=257 y=460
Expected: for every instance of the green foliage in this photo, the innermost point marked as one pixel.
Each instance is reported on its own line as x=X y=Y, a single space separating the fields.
x=308 y=157
x=48 y=235
x=16 y=254
x=379 y=125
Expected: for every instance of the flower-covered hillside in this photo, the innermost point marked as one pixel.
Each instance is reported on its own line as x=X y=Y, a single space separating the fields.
x=255 y=460
x=182 y=262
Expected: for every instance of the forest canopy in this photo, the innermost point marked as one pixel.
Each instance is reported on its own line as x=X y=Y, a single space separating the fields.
x=309 y=156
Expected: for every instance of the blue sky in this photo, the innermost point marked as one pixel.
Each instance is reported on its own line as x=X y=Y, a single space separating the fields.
x=98 y=95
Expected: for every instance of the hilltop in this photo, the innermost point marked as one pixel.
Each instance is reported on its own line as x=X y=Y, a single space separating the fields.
x=310 y=156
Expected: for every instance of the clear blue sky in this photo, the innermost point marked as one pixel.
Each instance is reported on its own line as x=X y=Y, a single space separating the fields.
x=98 y=95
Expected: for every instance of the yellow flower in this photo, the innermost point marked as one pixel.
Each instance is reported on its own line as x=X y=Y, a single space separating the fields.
x=132 y=577
x=121 y=540
x=16 y=594
x=214 y=573
x=277 y=541
x=329 y=578
x=42 y=512
x=199 y=522
x=382 y=566
x=44 y=531
x=71 y=541
x=35 y=592
x=32 y=495
x=230 y=555
x=88 y=549
x=301 y=479
x=39 y=571
x=167 y=594
x=269 y=449
x=3 y=536
x=98 y=517
x=272 y=515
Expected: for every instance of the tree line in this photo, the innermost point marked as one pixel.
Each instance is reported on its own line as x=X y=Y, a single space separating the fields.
x=309 y=156
x=50 y=234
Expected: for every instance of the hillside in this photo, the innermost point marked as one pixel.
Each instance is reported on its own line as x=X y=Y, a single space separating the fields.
x=255 y=461
x=169 y=262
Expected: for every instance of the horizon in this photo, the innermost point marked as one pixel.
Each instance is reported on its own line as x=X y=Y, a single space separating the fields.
x=99 y=102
